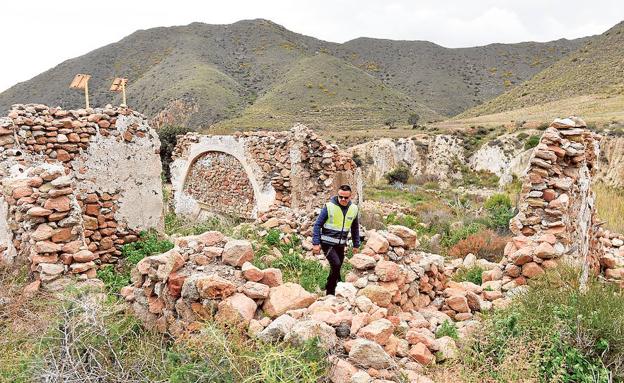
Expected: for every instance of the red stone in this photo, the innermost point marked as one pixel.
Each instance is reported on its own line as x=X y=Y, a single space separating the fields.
x=62 y=155
x=175 y=282
x=60 y=204
x=22 y=191
x=549 y=195
x=62 y=235
x=92 y=209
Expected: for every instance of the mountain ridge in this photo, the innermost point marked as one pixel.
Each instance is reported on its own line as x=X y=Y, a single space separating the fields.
x=218 y=72
x=596 y=68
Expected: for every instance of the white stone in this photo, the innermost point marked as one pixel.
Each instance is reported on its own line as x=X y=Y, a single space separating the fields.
x=346 y=290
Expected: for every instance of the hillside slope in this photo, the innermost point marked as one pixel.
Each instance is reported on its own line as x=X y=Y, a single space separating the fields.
x=453 y=80
x=216 y=69
x=257 y=73
x=322 y=91
x=595 y=69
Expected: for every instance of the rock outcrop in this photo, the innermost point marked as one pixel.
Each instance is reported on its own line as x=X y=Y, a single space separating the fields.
x=425 y=155
x=438 y=157
x=611 y=161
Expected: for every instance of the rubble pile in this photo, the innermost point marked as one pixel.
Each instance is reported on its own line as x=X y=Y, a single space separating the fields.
x=610 y=249
x=381 y=322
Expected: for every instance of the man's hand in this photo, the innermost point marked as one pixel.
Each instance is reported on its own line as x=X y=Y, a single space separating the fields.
x=316 y=249
x=356 y=250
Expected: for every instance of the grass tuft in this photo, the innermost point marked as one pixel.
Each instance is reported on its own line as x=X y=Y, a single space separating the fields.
x=554 y=332
x=610 y=206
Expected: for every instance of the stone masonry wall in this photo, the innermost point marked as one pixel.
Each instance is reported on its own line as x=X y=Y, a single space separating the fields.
x=109 y=162
x=557 y=217
x=45 y=218
x=218 y=181
x=294 y=169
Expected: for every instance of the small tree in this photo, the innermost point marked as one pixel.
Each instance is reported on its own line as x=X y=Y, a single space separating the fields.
x=357 y=159
x=390 y=122
x=413 y=119
x=399 y=174
x=500 y=211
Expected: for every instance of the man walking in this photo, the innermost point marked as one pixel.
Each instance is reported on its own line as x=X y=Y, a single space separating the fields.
x=338 y=217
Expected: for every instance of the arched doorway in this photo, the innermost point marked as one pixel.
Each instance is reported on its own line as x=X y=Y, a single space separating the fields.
x=219 y=183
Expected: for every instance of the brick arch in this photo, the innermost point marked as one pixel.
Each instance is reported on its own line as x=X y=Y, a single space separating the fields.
x=220 y=183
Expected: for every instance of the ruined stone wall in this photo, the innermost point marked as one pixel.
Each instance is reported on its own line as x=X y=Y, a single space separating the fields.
x=44 y=220
x=109 y=161
x=253 y=172
x=219 y=182
x=557 y=217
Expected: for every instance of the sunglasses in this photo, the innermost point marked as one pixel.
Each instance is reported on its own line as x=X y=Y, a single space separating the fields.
x=342 y=197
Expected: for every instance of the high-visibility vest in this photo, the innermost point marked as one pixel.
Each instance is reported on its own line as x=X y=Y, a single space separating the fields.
x=336 y=229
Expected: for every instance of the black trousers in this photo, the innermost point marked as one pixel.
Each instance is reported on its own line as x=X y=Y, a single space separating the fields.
x=335 y=255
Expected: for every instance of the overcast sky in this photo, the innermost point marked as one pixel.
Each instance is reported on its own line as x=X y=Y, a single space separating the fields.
x=36 y=35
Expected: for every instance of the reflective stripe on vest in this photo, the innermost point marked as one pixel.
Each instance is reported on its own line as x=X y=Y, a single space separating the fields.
x=335 y=219
x=332 y=240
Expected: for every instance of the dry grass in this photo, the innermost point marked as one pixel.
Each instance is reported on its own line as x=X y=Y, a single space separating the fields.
x=520 y=366
x=610 y=205
x=598 y=109
x=23 y=321
x=485 y=244
x=82 y=335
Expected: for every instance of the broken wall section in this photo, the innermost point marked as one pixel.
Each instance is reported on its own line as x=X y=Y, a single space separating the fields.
x=45 y=222
x=247 y=174
x=110 y=160
x=557 y=217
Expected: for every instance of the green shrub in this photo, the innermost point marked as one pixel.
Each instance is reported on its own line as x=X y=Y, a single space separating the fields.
x=116 y=277
x=113 y=279
x=401 y=219
x=390 y=122
x=413 y=119
x=273 y=237
x=554 y=332
x=499 y=212
x=168 y=138
x=357 y=159
x=472 y=274
x=399 y=174
x=481 y=178
x=309 y=273
x=531 y=142
x=149 y=244
x=454 y=236
x=447 y=329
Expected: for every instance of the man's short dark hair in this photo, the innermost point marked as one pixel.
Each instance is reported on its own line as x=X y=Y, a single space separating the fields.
x=345 y=188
